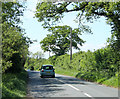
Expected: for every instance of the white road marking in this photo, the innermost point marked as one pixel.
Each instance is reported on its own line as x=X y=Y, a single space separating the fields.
x=61 y=81
x=69 y=85
x=75 y=88
x=87 y=95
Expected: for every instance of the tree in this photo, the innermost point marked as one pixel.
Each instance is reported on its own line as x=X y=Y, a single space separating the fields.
x=59 y=41
x=38 y=55
x=50 y=13
x=14 y=49
x=14 y=43
x=11 y=12
x=34 y=61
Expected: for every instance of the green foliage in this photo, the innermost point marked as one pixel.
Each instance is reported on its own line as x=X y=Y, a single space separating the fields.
x=70 y=72
x=50 y=13
x=97 y=66
x=113 y=81
x=14 y=43
x=14 y=48
x=59 y=41
x=45 y=9
x=100 y=66
x=63 y=61
x=14 y=85
x=38 y=55
x=32 y=68
x=35 y=61
x=52 y=59
x=11 y=12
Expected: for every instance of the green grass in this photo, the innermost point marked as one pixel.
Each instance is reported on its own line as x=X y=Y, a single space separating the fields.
x=69 y=72
x=113 y=82
x=14 y=85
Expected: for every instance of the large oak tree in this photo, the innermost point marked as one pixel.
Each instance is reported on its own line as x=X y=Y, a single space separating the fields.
x=59 y=41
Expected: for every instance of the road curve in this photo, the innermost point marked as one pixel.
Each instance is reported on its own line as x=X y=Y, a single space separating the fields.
x=65 y=86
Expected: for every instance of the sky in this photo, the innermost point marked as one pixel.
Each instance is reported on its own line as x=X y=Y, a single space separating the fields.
x=35 y=31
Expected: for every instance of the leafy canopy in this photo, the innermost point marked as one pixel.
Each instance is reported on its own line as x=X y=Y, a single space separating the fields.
x=50 y=13
x=14 y=43
x=59 y=41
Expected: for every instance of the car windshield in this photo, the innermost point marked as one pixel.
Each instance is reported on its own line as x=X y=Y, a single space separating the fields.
x=48 y=67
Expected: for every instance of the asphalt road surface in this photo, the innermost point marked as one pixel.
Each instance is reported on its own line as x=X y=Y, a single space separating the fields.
x=65 y=86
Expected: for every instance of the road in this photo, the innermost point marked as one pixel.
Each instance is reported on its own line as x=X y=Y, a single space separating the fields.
x=65 y=86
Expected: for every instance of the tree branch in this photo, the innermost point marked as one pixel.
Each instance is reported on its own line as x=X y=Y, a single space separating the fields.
x=78 y=9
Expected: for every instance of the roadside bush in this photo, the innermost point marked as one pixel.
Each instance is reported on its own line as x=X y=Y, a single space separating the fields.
x=14 y=84
x=52 y=59
x=32 y=68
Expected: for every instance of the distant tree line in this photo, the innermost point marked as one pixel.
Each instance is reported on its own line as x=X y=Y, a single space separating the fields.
x=35 y=60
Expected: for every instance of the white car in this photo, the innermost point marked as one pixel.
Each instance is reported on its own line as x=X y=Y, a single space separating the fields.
x=47 y=70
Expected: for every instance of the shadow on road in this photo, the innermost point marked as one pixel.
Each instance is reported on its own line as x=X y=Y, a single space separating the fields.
x=70 y=80
x=46 y=80
x=49 y=87
x=40 y=87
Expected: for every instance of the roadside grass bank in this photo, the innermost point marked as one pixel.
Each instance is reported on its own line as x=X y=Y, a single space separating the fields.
x=14 y=85
x=111 y=82
x=68 y=72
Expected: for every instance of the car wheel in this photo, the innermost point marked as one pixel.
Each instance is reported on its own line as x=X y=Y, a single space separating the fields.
x=53 y=76
x=41 y=76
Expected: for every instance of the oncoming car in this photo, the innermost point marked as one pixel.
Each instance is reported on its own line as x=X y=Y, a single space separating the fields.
x=47 y=70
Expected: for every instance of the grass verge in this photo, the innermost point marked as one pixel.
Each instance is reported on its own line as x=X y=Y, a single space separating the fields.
x=14 y=85
x=112 y=82
x=68 y=72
